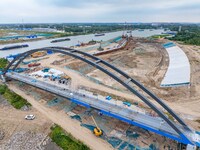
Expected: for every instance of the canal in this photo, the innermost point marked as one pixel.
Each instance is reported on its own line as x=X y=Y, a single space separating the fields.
x=74 y=41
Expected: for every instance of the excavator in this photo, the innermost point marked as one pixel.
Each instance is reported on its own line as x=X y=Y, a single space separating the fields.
x=97 y=131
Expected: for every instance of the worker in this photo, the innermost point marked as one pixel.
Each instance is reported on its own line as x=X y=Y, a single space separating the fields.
x=100 y=113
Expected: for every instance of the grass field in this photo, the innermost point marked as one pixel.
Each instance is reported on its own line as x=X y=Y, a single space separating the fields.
x=3 y=63
x=14 y=99
x=66 y=141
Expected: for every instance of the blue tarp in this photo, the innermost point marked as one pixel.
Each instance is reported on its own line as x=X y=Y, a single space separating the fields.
x=13 y=56
x=168 y=45
x=49 y=52
x=19 y=70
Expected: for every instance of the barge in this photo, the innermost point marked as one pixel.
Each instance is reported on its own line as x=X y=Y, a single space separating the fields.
x=60 y=40
x=101 y=34
x=14 y=47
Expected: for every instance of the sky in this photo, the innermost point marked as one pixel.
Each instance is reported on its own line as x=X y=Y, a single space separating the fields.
x=67 y=11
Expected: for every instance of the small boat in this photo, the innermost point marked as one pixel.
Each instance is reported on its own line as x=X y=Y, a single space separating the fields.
x=14 y=47
x=60 y=40
x=101 y=34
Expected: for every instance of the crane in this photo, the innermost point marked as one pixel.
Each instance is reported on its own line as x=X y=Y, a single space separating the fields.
x=97 y=131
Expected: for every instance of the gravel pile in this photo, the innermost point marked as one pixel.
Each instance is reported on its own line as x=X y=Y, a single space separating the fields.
x=24 y=140
x=2 y=134
x=3 y=101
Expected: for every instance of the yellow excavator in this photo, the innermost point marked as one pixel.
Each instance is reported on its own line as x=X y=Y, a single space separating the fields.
x=97 y=131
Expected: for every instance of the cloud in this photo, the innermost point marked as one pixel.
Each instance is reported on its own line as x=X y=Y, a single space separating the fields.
x=33 y=11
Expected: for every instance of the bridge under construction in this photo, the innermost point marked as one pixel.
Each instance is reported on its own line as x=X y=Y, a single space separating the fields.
x=162 y=125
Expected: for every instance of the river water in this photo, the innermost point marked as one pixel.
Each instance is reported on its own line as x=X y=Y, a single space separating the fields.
x=74 y=40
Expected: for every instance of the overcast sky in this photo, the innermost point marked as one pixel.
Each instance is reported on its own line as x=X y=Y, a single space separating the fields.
x=60 y=11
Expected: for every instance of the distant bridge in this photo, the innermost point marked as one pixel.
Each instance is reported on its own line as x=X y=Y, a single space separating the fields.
x=179 y=132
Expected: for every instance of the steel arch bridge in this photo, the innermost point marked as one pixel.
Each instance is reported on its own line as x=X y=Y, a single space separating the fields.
x=125 y=80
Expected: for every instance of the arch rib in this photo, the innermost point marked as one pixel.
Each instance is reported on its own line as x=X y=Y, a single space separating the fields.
x=138 y=84
x=72 y=52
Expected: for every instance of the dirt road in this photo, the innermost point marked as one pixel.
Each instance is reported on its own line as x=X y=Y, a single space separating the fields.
x=71 y=126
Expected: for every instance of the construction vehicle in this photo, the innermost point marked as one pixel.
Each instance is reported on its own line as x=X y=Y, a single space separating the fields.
x=97 y=131
x=65 y=77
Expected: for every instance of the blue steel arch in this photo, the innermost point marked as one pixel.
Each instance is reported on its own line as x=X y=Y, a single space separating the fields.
x=95 y=63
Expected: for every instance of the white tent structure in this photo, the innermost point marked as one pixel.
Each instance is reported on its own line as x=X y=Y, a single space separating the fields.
x=51 y=72
x=178 y=72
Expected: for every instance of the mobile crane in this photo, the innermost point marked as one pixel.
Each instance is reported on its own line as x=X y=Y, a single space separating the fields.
x=97 y=131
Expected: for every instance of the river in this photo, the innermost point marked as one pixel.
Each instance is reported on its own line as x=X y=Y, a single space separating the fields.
x=74 y=40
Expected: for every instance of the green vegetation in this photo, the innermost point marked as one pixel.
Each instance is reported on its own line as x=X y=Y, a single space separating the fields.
x=160 y=36
x=188 y=37
x=3 y=63
x=2 y=89
x=66 y=141
x=190 y=34
x=14 y=99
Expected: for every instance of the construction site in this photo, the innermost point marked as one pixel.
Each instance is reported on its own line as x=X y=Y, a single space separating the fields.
x=144 y=59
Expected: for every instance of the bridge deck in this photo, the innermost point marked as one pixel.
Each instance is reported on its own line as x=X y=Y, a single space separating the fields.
x=129 y=115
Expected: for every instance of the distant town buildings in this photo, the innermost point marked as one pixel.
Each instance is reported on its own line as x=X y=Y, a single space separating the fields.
x=45 y=30
x=180 y=27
